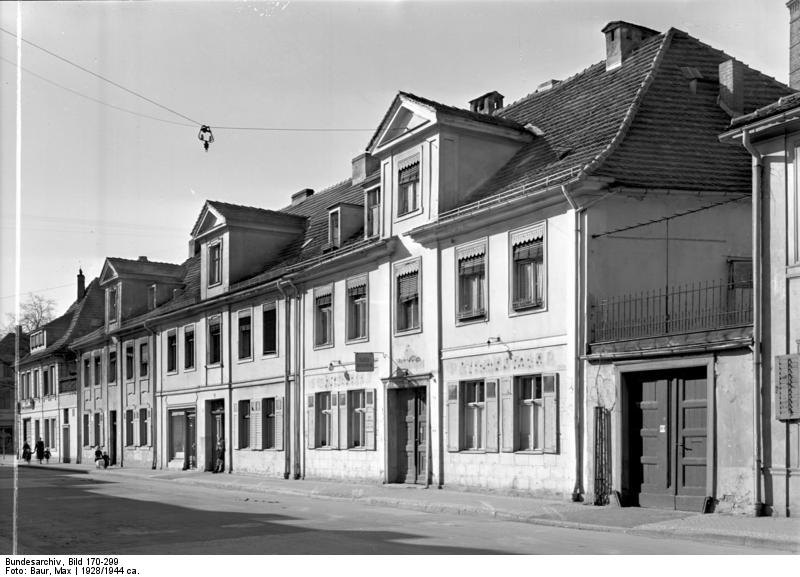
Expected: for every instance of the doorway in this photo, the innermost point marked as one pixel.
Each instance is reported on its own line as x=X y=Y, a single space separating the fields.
x=65 y=457
x=112 y=416
x=216 y=432
x=183 y=440
x=408 y=435
x=667 y=438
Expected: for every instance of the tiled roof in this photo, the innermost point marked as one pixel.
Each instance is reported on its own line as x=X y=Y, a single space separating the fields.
x=125 y=266
x=8 y=348
x=783 y=104
x=638 y=124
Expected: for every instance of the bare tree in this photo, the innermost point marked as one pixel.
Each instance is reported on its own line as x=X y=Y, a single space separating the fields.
x=33 y=314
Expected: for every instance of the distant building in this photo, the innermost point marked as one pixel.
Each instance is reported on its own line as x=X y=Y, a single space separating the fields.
x=8 y=400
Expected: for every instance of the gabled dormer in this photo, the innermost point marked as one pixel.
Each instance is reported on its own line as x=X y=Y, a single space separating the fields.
x=344 y=220
x=133 y=287
x=235 y=242
x=38 y=340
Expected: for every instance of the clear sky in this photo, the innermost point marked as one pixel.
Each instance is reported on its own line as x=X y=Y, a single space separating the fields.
x=98 y=181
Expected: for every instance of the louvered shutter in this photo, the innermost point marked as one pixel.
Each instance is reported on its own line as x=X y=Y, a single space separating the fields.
x=550 y=400
x=507 y=414
x=334 y=440
x=453 y=421
x=236 y=442
x=343 y=444
x=311 y=427
x=369 y=418
x=278 y=433
x=787 y=387
x=491 y=414
x=136 y=440
x=256 y=440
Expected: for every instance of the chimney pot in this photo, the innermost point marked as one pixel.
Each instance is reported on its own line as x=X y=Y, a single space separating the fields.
x=731 y=87
x=487 y=103
x=301 y=195
x=363 y=165
x=142 y=259
x=81 y=284
x=622 y=38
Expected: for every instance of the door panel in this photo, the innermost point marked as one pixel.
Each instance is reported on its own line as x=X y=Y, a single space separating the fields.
x=655 y=443
x=691 y=443
x=421 y=436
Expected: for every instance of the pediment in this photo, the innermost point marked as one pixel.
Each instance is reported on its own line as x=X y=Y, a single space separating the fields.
x=209 y=219
x=403 y=117
x=108 y=274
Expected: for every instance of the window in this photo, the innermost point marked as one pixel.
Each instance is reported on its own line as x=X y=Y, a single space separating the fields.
x=152 y=297
x=356 y=419
x=357 y=308
x=527 y=268
x=111 y=306
x=372 y=208
x=324 y=420
x=36 y=383
x=144 y=360
x=269 y=334
x=740 y=285
x=87 y=367
x=323 y=315
x=46 y=382
x=98 y=369
x=214 y=264
x=268 y=426
x=129 y=428
x=537 y=413
x=172 y=351
x=98 y=435
x=112 y=366
x=86 y=429
x=66 y=417
x=129 y=361
x=244 y=424
x=143 y=427
x=471 y=263
x=408 y=186
x=37 y=340
x=245 y=335
x=334 y=233
x=214 y=341
x=188 y=347
x=407 y=291
x=473 y=414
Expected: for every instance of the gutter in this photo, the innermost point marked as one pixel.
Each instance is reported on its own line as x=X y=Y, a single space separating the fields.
x=757 y=303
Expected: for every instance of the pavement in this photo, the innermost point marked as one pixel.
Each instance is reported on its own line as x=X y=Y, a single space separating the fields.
x=776 y=533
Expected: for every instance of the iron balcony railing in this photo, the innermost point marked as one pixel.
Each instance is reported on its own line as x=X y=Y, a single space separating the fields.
x=687 y=308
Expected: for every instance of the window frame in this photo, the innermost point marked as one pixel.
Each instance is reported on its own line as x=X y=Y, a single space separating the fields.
x=216 y=268
x=189 y=329
x=243 y=422
x=172 y=351
x=464 y=252
x=87 y=368
x=270 y=306
x=478 y=418
x=405 y=163
x=321 y=292
x=538 y=425
x=112 y=304
x=514 y=311
x=111 y=359
x=323 y=420
x=397 y=269
x=353 y=283
x=97 y=369
x=213 y=321
x=335 y=233
x=369 y=215
x=246 y=314
x=130 y=361
x=268 y=424
x=357 y=419
x=144 y=360
x=144 y=433
x=129 y=428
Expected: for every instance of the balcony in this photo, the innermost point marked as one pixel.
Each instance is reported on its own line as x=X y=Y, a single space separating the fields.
x=695 y=308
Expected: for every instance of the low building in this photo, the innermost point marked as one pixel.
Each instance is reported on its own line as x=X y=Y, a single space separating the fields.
x=8 y=398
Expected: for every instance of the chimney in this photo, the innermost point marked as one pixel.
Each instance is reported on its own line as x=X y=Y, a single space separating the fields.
x=622 y=38
x=731 y=87
x=487 y=103
x=301 y=195
x=547 y=85
x=81 y=284
x=142 y=259
x=363 y=165
x=794 y=43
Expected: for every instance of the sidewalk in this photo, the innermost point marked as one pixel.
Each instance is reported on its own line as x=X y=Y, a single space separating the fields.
x=776 y=533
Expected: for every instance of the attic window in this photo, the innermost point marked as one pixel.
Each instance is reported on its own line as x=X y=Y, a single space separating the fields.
x=334 y=230
x=38 y=340
x=215 y=264
x=372 y=213
x=152 y=292
x=112 y=304
x=408 y=186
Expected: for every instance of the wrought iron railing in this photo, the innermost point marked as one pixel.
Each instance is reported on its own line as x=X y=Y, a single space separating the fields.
x=687 y=308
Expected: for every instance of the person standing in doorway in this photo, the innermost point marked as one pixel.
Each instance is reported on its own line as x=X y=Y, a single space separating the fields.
x=220 y=466
x=39 y=450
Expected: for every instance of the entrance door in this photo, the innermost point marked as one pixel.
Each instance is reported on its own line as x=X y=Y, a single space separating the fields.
x=412 y=435
x=217 y=432
x=65 y=458
x=191 y=440
x=113 y=441
x=669 y=412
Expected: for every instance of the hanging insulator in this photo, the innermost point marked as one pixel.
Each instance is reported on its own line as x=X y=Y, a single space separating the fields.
x=205 y=136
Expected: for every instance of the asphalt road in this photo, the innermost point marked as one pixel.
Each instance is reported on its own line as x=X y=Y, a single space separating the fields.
x=67 y=513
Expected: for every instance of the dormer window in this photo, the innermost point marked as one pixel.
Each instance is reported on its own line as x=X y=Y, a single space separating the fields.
x=408 y=186
x=111 y=305
x=334 y=230
x=372 y=213
x=215 y=264
x=38 y=340
x=152 y=292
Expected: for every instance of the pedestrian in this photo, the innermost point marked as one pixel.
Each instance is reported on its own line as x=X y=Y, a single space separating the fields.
x=106 y=460
x=47 y=455
x=98 y=457
x=26 y=452
x=39 y=450
x=220 y=466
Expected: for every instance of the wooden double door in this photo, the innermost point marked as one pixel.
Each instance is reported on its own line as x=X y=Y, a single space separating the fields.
x=668 y=438
x=411 y=441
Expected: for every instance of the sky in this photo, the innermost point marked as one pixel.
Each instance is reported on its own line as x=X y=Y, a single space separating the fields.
x=106 y=173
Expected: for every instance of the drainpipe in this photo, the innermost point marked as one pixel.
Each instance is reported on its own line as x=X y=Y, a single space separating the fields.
x=299 y=387
x=578 y=489
x=230 y=390
x=756 y=347
x=153 y=384
x=121 y=386
x=287 y=463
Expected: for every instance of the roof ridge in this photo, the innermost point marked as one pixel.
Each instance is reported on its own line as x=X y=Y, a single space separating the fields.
x=635 y=105
x=148 y=261
x=558 y=86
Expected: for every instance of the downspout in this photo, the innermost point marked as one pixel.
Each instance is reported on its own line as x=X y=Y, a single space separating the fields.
x=120 y=417
x=153 y=385
x=299 y=396
x=287 y=311
x=756 y=347
x=230 y=390
x=439 y=385
x=578 y=489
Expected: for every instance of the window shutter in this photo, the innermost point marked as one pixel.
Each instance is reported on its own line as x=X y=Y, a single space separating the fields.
x=369 y=418
x=343 y=444
x=311 y=428
x=236 y=442
x=135 y=440
x=453 y=422
x=490 y=415
x=550 y=399
x=787 y=387
x=102 y=429
x=334 y=440
x=256 y=440
x=508 y=414
x=278 y=423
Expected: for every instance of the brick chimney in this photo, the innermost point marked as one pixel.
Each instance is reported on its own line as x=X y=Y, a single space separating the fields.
x=731 y=87
x=622 y=38
x=487 y=103
x=81 y=284
x=300 y=196
x=794 y=43
x=363 y=165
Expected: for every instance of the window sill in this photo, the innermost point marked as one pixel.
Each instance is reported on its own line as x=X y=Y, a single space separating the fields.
x=408 y=215
x=244 y=360
x=357 y=340
x=323 y=346
x=460 y=322
x=472 y=451
x=171 y=373
x=214 y=366
x=526 y=310
x=402 y=333
x=189 y=369
x=273 y=355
